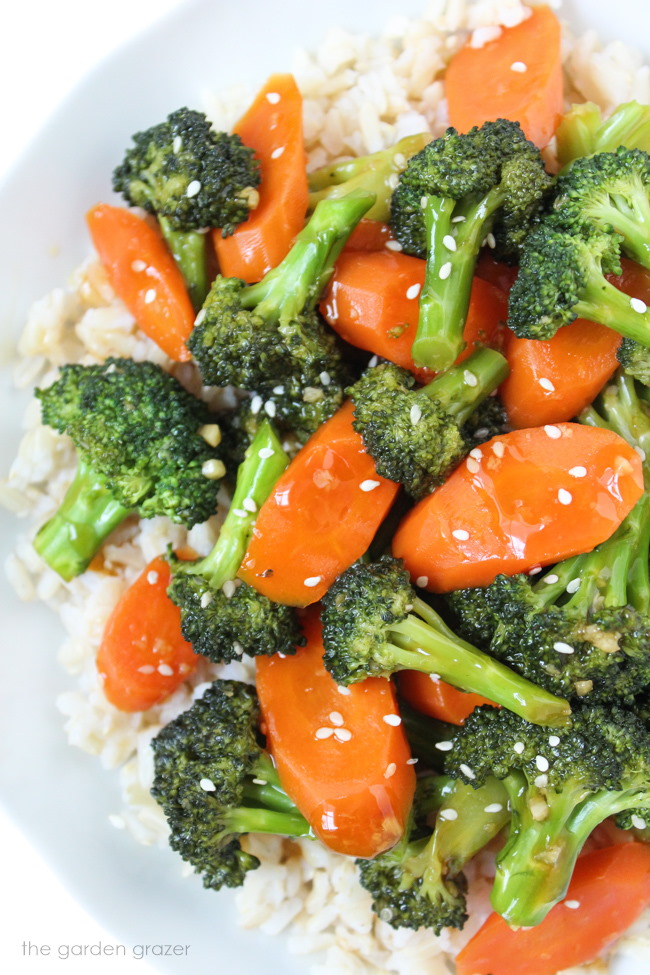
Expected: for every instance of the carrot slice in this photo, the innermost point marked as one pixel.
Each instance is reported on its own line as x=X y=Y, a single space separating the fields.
x=372 y=302
x=369 y=235
x=321 y=516
x=272 y=126
x=437 y=698
x=608 y=891
x=517 y=76
x=529 y=498
x=143 y=274
x=339 y=759
x=143 y=657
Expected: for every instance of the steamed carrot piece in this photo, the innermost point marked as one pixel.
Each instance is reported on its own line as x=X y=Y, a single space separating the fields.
x=608 y=891
x=321 y=516
x=142 y=272
x=531 y=498
x=342 y=758
x=272 y=126
x=437 y=698
x=143 y=656
x=517 y=76
x=369 y=235
x=372 y=302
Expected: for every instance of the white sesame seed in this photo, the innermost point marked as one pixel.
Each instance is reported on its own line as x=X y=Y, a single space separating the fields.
x=541 y=781
x=490 y=241
x=641 y=452
x=325 y=378
x=229 y=588
x=193 y=188
x=259 y=782
x=342 y=734
x=518 y=66
x=547 y=385
x=551 y=579
x=237 y=648
x=373 y=361
x=536 y=569
x=413 y=291
x=256 y=405
x=393 y=245
x=445 y=271
x=563 y=647
x=250 y=505
x=265 y=452
x=165 y=670
x=638 y=822
x=541 y=763
x=637 y=305
x=390 y=770
x=466 y=770
x=278 y=390
x=461 y=534
x=277 y=152
x=494 y=807
x=205 y=600
x=336 y=718
x=240 y=512
x=369 y=485
x=200 y=318
x=269 y=408
x=324 y=732
x=213 y=469
x=553 y=432
x=444 y=746
x=138 y=266
x=448 y=814
x=435 y=678
x=498 y=448
x=149 y=296
x=422 y=581
x=312 y=581
x=469 y=378
x=458 y=219
x=578 y=472
x=146 y=669
x=392 y=181
x=564 y=496
x=519 y=747
x=476 y=453
x=272 y=97
x=207 y=785
x=553 y=740
x=392 y=719
x=415 y=414
x=152 y=578
x=424 y=202
x=449 y=242
x=177 y=143
x=472 y=465
x=342 y=689
x=572 y=905
x=412 y=761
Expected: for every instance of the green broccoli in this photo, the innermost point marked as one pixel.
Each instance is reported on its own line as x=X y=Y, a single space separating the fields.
x=215 y=783
x=582 y=131
x=452 y=196
x=191 y=178
x=374 y=625
x=635 y=359
x=221 y=617
x=138 y=437
x=376 y=173
x=559 y=787
x=415 y=437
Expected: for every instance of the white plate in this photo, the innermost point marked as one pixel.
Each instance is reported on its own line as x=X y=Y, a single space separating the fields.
x=58 y=796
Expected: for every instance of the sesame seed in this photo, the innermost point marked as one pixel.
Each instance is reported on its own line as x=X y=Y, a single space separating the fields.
x=193 y=188
x=390 y=770
x=460 y=534
x=325 y=378
x=572 y=905
x=240 y=512
x=207 y=785
x=422 y=581
x=269 y=408
x=445 y=271
x=369 y=485
x=206 y=599
x=237 y=648
x=229 y=588
x=564 y=496
x=476 y=453
x=324 y=732
x=638 y=822
x=637 y=305
x=519 y=747
x=547 y=385
x=444 y=746
x=583 y=687
x=449 y=242
x=342 y=689
x=177 y=143
x=423 y=202
x=373 y=361
x=152 y=578
x=494 y=807
x=550 y=579
x=553 y=740
x=336 y=718
x=448 y=814
x=138 y=266
x=165 y=670
x=536 y=569
x=498 y=448
x=578 y=472
x=541 y=763
x=563 y=647
x=473 y=466
x=259 y=782
x=265 y=452
x=392 y=719
x=256 y=405
x=434 y=677
x=412 y=761
x=312 y=581
x=277 y=152
x=149 y=296
x=541 y=781
x=146 y=669
x=250 y=505
x=466 y=770
x=413 y=291
x=200 y=318
x=213 y=469
x=342 y=734
x=553 y=432
x=490 y=241
x=392 y=181
x=278 y=390
x=519 y=66
x=415 y=414
x=399 y=161
x=211 y=433
x=458 y=219
x=272 y=97
x=469 y=378
x=393 y=245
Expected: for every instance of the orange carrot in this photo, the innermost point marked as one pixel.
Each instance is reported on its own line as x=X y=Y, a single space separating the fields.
x=608 y=891
x=437 y=698
x=143 y=657
x=142 y=272
x=342 y=763
x=372 y=302
x=523 y=501
x=517 y=76
x=321 y=516
x=272 y=126
x=369 y=235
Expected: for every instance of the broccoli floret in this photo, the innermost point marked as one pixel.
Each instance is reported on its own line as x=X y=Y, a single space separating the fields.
x=452 y=194
x=375 y=625
x=559 y=787
x=488 y=420
x=635 y=359
x=220 y=616
x=415 y=437
x=209 y=770
x=268 y=334
x=420 y=882
x=191 y=178
x=376 y=173
x=562 y=277
x=610 y=192
x=583 y=132
x=136 y=430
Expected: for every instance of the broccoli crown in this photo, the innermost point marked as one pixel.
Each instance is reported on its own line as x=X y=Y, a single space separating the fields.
x=186 y=172
x=138 y=428
x=302 y=403
x=479 y=611
x=635 y=359
x=417 y=454
x=466 y=168
x=222 y=627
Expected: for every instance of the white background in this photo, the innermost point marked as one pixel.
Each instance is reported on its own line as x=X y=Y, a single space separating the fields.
x=46 y=48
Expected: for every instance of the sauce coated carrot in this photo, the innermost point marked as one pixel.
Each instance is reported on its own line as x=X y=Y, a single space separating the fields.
x=437 y=698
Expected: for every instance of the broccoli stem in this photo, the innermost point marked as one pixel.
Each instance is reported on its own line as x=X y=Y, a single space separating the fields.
x=477 y=816
x=454 y=237
x=632 y=222
x=602 y=302
x=462 y=388
x=246 y=819
x=263 y=463
x=428 y=647
x=190 y=253
x=296 y=283
x=87 y=515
